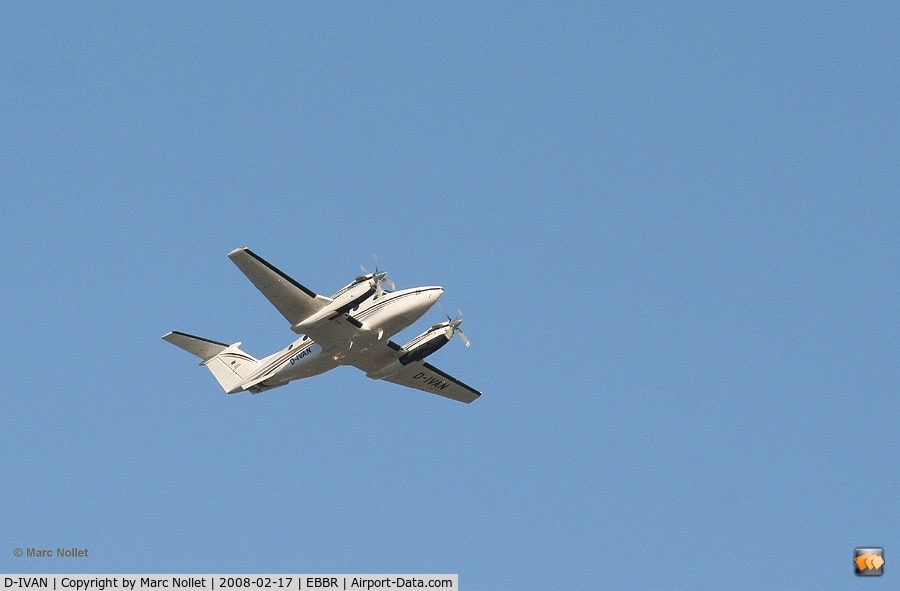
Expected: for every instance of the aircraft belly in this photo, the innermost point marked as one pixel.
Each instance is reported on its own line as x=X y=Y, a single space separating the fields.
x=306 y=362
x=395 y=311
x=315 y=362
x=390 y=322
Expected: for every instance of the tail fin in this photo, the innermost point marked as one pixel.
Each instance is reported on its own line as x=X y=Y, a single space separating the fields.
x=228 y=364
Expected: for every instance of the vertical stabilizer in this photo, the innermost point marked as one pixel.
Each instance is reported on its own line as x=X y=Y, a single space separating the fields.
x=228 y=364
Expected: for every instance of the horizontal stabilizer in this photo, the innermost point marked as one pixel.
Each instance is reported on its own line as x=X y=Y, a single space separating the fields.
x=203 y=348
x=229 y=365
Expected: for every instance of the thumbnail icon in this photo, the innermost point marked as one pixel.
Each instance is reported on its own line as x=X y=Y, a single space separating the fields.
x=869 y=562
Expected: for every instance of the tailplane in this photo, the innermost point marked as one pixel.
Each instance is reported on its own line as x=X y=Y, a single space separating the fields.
x=228 y=364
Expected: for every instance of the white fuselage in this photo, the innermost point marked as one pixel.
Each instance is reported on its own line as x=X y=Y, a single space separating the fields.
x=380 y=318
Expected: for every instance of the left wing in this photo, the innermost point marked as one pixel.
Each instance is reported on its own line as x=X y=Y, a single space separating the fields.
x=418 y=374
x=426 y=377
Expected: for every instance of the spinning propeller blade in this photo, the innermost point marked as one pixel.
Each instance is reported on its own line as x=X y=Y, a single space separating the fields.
x=376 y=278
x=454 y=324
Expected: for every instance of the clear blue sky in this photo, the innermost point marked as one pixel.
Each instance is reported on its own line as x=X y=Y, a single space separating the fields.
x=673 y=232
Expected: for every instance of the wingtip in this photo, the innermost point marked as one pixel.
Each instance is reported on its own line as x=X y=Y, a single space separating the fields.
x=237 y=250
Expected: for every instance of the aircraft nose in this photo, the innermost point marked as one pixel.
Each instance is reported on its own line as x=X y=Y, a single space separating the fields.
x=429 y=297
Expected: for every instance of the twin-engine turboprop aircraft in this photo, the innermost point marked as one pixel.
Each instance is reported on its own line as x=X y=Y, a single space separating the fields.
x=352 y=327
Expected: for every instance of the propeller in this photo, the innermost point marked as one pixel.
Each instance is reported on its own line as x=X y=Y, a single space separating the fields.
x=454 y=324
x=376 y=278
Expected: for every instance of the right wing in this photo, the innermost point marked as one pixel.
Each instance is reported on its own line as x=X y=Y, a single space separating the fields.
x=294 y=301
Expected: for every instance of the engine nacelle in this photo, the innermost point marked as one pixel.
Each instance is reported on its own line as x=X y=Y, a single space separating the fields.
x=417 y=349
x=426 y=343
x=345 y=300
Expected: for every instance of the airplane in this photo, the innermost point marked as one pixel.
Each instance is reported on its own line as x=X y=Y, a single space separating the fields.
x=352 y=327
